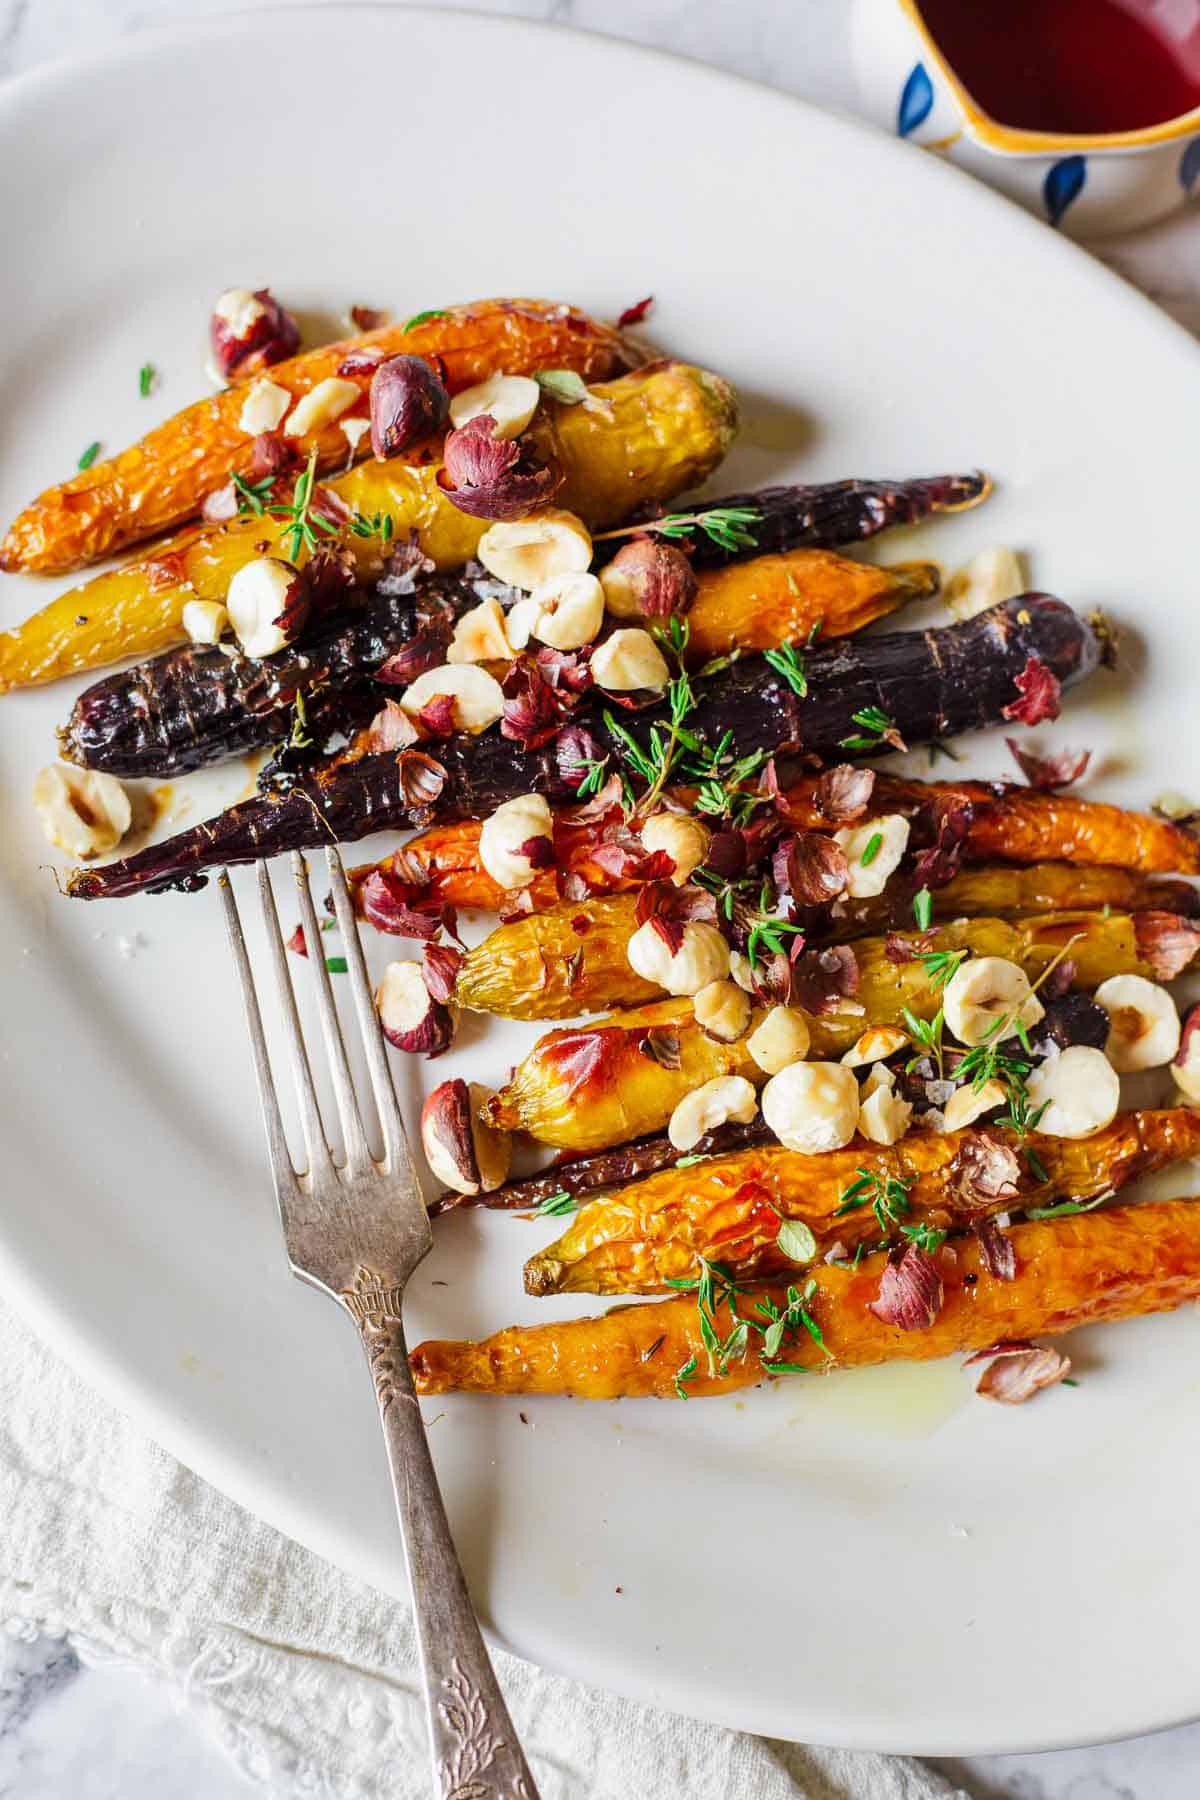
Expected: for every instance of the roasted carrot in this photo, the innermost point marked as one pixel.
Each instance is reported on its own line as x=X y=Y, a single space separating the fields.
x=571 y=958
x=1012 y=891
x=1114 y=1264
x=162 y=480
x=584 y=1087
x=1009 y=823
x=774 y=600
x=656 y=432
x=729 y=1208
x=1060 y=838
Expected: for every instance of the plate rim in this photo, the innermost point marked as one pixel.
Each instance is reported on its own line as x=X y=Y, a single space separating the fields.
x=90 y=1354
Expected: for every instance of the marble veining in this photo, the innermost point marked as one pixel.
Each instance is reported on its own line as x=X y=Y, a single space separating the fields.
x=112 y=1733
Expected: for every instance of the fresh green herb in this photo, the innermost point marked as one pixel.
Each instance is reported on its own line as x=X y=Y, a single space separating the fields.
x=337 y=965
x=924 y=1237
x=727 y=526
x=887 y=1196
x=683 y=1375
x=423 y=318
x=871 y=849
x=726 y=790
x=923 y=908
x=714 y=1287
x=1066 y=1209
x=788 y=1323
x=555 y=1205
x=689 y=1162
x=767 y=932
x=563 y=385
x=657 y=762
x=299 y=737
x=301 y=532
x=792 y=664
x=145 y=379
x=926 y=1034
x=253 y=494
x=593 y=781
x=89 y=456
x=377 y=525
x=1068 y=1381
x=877 y=729
x=940 y=965
x=796 y=1242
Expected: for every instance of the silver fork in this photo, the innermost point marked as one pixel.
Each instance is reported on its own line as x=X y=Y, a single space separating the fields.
x=357 y=1230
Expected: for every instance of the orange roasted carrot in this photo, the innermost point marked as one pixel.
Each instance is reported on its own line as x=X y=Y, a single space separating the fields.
x=729 y=1208
x=1112 y=1264
x=162 y=480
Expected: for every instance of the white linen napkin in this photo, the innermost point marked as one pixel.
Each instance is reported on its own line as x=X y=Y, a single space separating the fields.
x=306 y=1677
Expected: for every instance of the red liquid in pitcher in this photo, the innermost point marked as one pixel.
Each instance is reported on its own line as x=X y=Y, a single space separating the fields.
x=1084 y=67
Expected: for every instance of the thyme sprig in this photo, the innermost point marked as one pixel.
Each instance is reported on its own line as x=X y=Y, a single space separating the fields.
x=376 y=525
x=926 y=1035
x=253 y=495
x=714 y=1287
x=304 y=523
x=877 y=728
x=726 y=526
x=887 y=1196
x=766 y=932
x=792 y=663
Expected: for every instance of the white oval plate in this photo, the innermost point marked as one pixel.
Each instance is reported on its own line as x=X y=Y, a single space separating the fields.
x=873 y=1559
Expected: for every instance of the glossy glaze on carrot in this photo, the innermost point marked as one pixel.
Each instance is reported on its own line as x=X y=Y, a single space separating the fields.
x=1117 y=1263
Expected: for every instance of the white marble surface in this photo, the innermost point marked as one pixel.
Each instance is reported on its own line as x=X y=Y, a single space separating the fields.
x=73 y=1733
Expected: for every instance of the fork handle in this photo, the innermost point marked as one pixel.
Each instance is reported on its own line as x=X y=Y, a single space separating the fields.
x=475 y=1749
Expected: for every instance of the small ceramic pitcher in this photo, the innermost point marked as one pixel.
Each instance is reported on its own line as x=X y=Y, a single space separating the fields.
x=1090 y=186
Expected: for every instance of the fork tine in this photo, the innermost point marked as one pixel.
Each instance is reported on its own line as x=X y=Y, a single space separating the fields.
x=277 y=1144
x=358 y=1154
x=319 y=1159
x=395 y=1142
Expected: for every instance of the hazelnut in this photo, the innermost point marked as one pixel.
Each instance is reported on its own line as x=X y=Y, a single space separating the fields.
x=565 y=612
x=874 y=1044
x=509 y=400
x=1186 y=1066
x=781 y=1038
x=247 y=325
x=477 y=696
x=984 y=990
x=463 y=1151
x=408 y=403
x=83 y=811
x=684 y=839
x=264 y=406
x=725 y=1098
x=1144 y=1025
x=723 y=1011
x=412 y=1019
x=812 y=1106
x=480 y=636
x=883 y=1116
x=648 y=579
x=967 y=1103
x=627 y=661
x=989 y=578
x=1079 y=1089
x=508 y=840
x=526 y=552
x=322 y=404
x=702 y=957
x=259 y=597
x=873 y=851
x=205 y=621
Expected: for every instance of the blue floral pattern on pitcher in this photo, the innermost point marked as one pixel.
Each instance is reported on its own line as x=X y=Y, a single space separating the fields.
x=916 y=101
x=1063 y=185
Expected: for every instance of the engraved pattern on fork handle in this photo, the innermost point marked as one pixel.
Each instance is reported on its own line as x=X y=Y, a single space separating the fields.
x=476 y=1752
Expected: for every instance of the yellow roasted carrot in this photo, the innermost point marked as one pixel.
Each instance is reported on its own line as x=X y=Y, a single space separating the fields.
x=729 y=1208
x=572 y=958
x=1114 y=1264
x=162 y=480
x=656 y=432
x=587 y=1086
